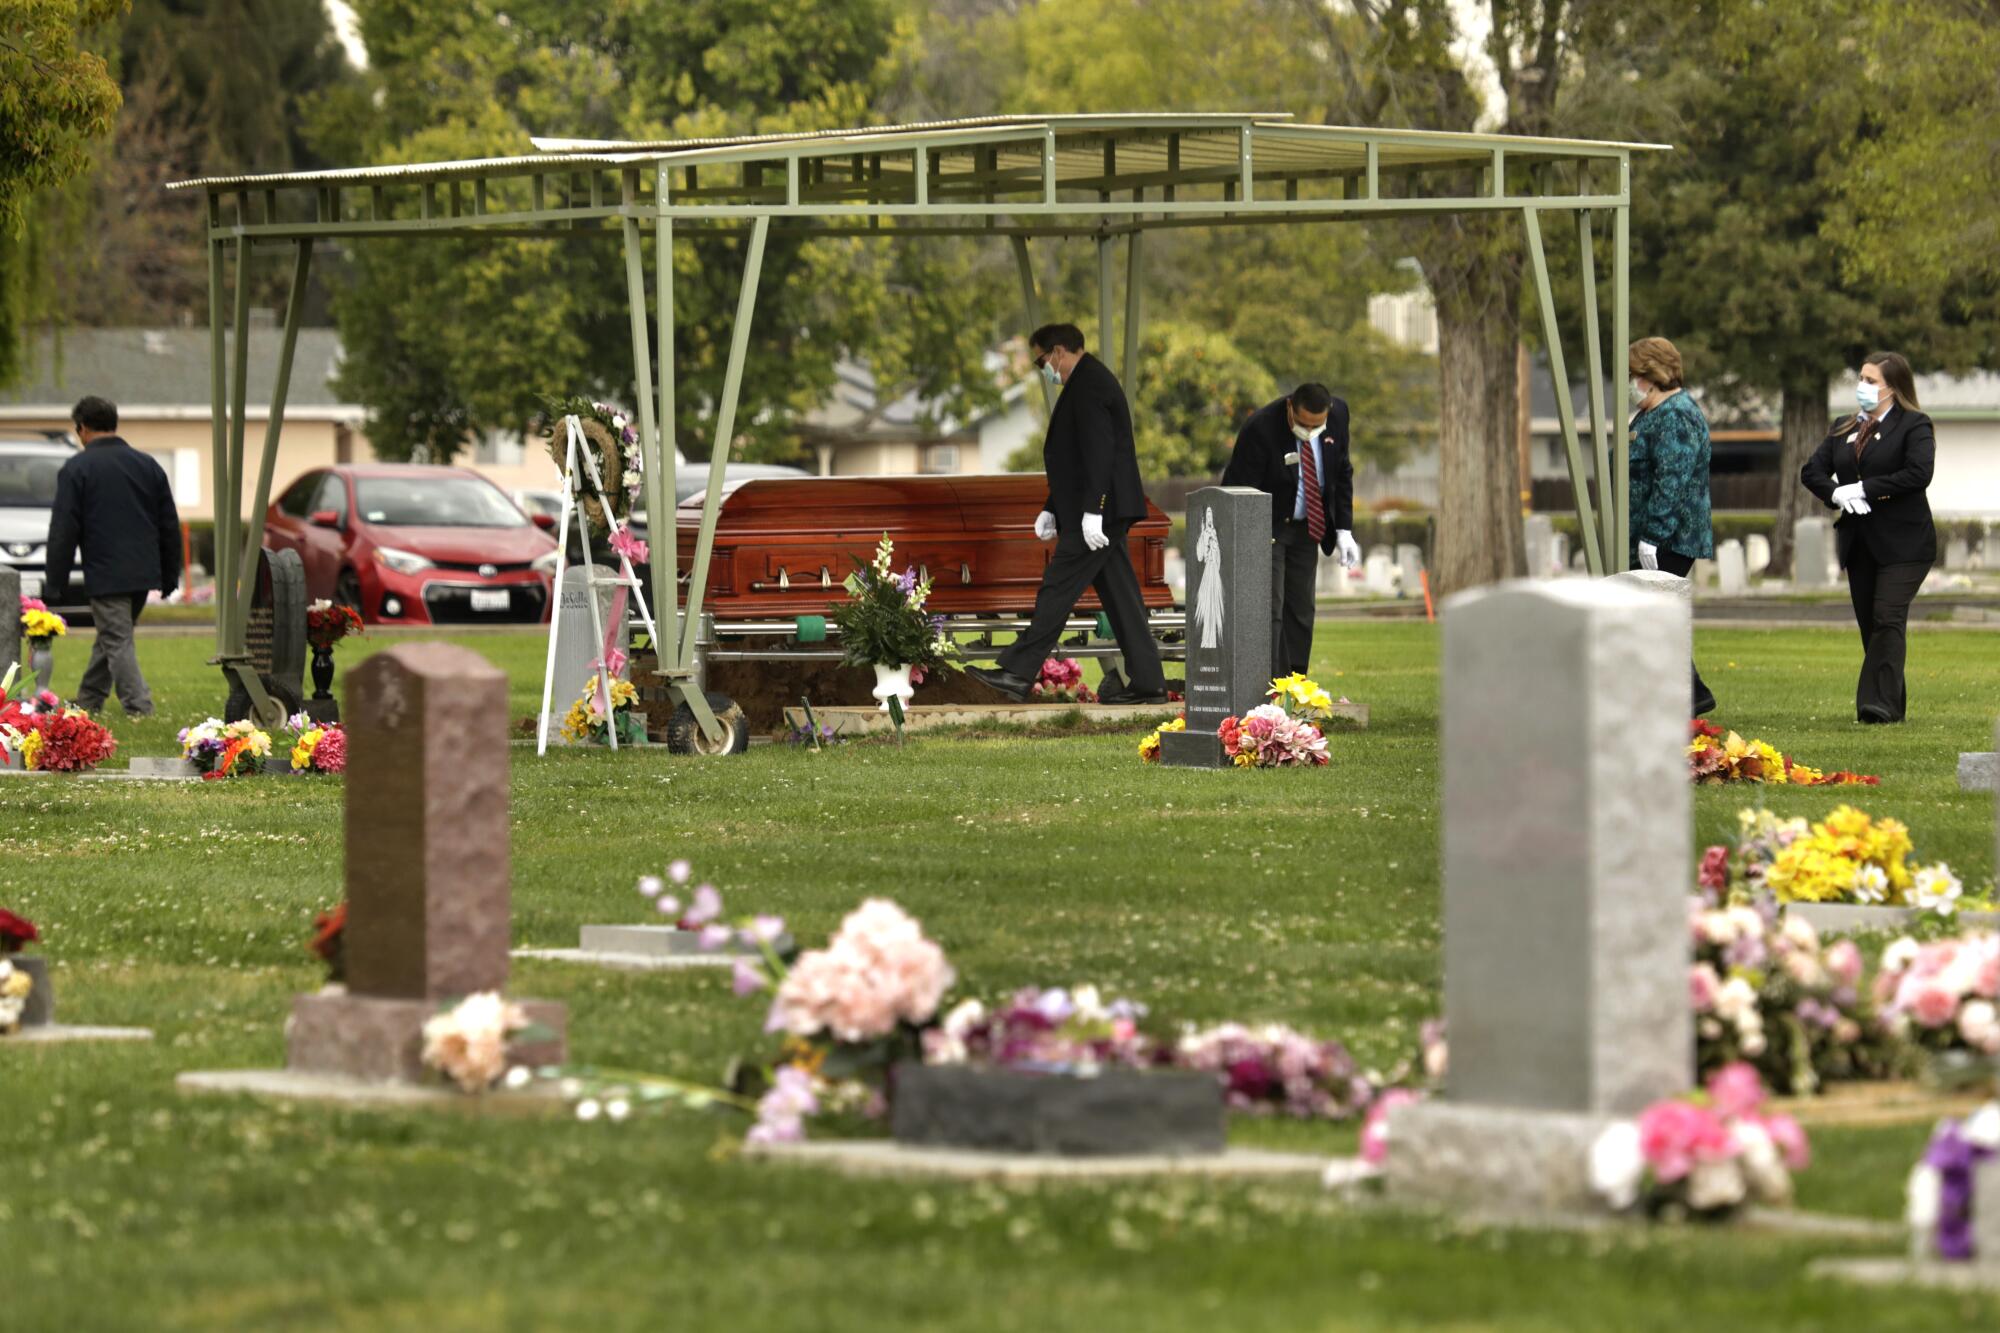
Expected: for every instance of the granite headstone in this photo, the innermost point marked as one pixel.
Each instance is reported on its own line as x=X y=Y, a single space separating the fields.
x=10 y=619
x=577 y=644
x=1756 y=554
x=1732 y=572
x=1229 y=618
x=1539 y=531
x=1812 y=551
x=1567 y=834
x=428 y=894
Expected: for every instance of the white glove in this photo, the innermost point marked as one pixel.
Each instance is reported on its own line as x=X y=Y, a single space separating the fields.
x=1851 y=491
x=1045 y=526
x=1854 y=504
x=1093 y=532
x=1649 y=556
x=1350 y=550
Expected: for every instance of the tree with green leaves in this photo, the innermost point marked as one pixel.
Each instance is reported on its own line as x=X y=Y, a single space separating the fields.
x=1737 y=254
x=56 y=97
x=447 y=340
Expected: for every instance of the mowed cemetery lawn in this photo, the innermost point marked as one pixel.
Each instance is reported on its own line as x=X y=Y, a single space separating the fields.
x=1305 y=897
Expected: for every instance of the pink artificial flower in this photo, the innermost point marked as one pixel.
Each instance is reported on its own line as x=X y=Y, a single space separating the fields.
x=1703 y=984
x=679 y=870
x=1736 y=1090
x=1675 y=1135
x=611 y=664
x=707 y=906
x=877 y=971
x=746 y=978
x=1933 y=1006
x=33 y=604
x=1715 y=868
x=1843 y=959
x=1375 y=1129
x=715 y=936
x=917 y=675
x=1790 y=1140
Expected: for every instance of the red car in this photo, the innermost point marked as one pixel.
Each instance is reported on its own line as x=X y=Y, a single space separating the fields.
x=412 y=545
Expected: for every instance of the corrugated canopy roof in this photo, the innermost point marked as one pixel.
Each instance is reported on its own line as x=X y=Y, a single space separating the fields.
x=1196 y=145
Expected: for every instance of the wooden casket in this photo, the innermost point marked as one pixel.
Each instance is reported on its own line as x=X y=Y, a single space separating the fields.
x=785 y=545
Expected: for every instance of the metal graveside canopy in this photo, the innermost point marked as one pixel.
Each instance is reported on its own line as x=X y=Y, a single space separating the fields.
x=1100 y=176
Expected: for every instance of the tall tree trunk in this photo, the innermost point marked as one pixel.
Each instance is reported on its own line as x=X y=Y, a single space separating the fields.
x=1803 y=425
x=1479 y=536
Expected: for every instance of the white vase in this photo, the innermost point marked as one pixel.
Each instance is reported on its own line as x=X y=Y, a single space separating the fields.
x=893 y=681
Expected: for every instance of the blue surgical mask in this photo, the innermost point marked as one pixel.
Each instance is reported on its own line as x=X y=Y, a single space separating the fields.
x=1868 y=394
x=1049 y=373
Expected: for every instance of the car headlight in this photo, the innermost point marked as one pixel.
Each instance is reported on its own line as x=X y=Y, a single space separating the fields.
x=403 y=562
x=546 y=564
x=24 y=550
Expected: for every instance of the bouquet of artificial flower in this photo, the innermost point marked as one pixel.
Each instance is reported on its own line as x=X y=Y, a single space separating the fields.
x=613 y=442
x=468 y=1042
x=1278 y=1069
x=1845 y=858
x=1941 y=1187
x=585 y=720
x=1301 y=698
x=883 y=622
x=1061 y=681
x=327 y=623
x=15 y=987
x=1768 y=994
x=1704 y=1155
x=317 y=747
x=1945 y=995
x=71 y=741
x=16 y=932
x=1064 y=1031
x=1716 y=756
x=1149 y=749
x=221 y=749
x=38 y=622
x=1269 y=737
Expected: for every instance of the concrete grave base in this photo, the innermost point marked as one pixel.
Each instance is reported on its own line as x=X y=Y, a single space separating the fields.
x=146 y=766
x=629 y=962
x=1910 y=1273
x=376 y=1039
x=293 y=1085
x=40 y=1010
x=1493 y=1159
x=1846 y=919
x=875 y=1157
x=53 y=1033
x=1979 y=770
x=867 y=721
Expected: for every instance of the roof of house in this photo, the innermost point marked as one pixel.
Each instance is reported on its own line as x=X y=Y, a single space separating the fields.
x=854 y=411
x=164 y=373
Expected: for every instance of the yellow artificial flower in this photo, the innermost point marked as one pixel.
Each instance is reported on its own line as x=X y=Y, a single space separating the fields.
x=302 y=752
x=31 y=749
x=43 y=625
x=17 y=984
x=1804 y=776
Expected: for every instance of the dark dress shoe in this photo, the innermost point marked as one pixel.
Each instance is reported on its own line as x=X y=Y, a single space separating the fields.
x=1128 y=695
x=1704 y=704
x=1876 y=714
x=1006 y=682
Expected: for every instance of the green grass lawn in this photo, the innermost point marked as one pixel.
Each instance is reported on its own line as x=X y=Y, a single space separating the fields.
x=1310 y=898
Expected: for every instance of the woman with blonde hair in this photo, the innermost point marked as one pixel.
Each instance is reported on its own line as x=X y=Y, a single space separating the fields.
x=1670 y=457
x=1875 y=467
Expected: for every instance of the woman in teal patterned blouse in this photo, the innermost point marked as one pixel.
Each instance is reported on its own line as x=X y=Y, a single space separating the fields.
x=1670 y=520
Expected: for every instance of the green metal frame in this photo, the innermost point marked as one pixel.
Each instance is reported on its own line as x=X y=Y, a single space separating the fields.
x=1020 y=177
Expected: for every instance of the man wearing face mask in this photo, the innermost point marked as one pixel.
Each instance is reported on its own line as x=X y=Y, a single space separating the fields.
x=1094 y=498
x=1670 y=459
x=1295 y=449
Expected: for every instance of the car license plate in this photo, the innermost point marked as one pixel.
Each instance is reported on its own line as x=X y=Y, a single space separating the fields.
x=489 y=600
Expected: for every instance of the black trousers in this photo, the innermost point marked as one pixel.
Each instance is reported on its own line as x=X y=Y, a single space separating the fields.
x=1074 y=568
x=1882 y=595
x=1673 y=562
x=1294 y=596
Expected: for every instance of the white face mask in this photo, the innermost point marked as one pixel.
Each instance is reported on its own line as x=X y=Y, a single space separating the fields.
x=1868 y=394
x=1640 y=390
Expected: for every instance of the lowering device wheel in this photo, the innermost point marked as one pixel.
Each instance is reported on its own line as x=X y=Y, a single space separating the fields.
x=684 y=734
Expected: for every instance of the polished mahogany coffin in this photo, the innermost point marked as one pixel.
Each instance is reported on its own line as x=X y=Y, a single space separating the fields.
x=785 y=545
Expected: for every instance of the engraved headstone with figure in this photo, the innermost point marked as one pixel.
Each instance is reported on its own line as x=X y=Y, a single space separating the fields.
x=1229 y=619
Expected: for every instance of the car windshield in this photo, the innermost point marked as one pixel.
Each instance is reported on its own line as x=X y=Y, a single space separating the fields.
x=28 y=479
x=435 y=502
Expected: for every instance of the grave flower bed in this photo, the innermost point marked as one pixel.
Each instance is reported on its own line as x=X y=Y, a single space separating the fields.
x=1284 y=733
x=219 y=749
x=1718 y=756
x=1944 y=996
x=1848 y=857
x=586 y=721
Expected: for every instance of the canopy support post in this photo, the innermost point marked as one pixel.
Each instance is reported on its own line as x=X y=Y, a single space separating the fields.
x=246 y=578
x=1031 y=306
x=1600 y=433
x=663 y=528
x=1621 y=336
x=1565 y=404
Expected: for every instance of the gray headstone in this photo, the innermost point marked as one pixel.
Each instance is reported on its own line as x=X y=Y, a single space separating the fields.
x=288 y=619
x=1566 y=837
x=1561 y=553
x=1979 y=770
x=10 y=617
x=1567 y=841
x=1410 y=564
x=1378 y=573
x=577 y=644
x=1957 y=554
x=1539 y=530
x=1732 y=572
x=1757 y=553
x=1986 y=1215
x=1229 y=618
x=1812 y=551
x=1333 y=580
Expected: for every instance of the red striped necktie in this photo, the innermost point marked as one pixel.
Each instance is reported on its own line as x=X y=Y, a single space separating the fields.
x=1309 y=478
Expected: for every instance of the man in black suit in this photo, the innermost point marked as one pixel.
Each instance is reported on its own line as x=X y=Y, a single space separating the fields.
x=1094 y=498
x=116 y=503
x=1296 y=449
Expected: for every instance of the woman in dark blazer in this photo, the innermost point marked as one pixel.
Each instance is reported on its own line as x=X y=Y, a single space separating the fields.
x=1875 y=468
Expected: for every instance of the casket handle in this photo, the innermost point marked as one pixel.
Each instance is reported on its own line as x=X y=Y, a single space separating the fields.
x=964 y=572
